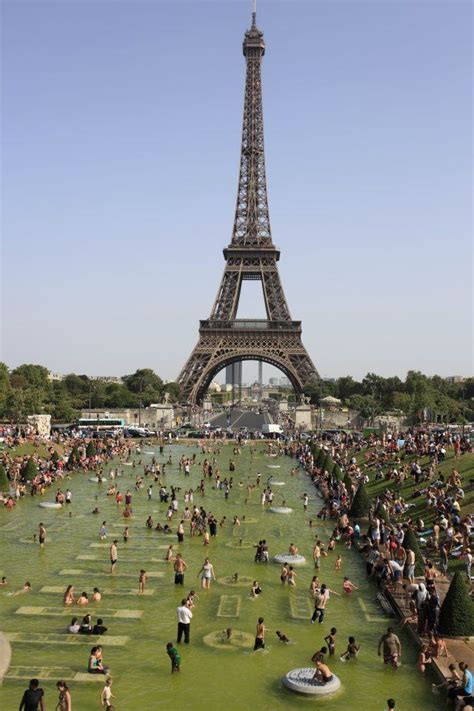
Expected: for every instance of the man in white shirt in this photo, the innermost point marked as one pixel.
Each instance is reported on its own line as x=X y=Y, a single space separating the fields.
x=184 y=621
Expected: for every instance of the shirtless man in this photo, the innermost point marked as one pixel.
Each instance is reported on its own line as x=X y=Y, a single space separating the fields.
x=179 y=568
x=410 y=566
x=392 y=649
x=113 y=555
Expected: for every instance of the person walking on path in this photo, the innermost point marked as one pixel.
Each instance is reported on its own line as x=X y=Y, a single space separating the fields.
x=392 y=649
x=180 y=567
x=33 y=697
x=184 y=621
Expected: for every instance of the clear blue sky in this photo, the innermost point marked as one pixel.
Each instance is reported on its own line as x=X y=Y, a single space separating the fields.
x=121 y=138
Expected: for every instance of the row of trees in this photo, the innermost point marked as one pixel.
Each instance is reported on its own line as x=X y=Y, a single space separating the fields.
x=418 y=396
x=27 y=390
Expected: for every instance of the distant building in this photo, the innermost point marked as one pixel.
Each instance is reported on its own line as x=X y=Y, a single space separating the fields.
x=274 y=382
x=233 y=374
x=285 y=382
x=455 y=379
x=55 y=377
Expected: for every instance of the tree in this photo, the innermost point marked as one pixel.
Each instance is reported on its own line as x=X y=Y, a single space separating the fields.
x=76 y=384
x=456 y=617
x=361 y=503
x=143 y=379
x=410 y=541
x=174 y=391
x=327 y=463
x=74 y=457
x=347 y=386
x=320 y=458
x=90 y=450
x=5 y=388
x=30 y=470
x=336 y=471
x=63 y=410
x=34 y=375
x=4 y=480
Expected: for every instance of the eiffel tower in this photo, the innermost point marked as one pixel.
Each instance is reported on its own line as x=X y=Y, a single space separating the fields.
x=224 y=339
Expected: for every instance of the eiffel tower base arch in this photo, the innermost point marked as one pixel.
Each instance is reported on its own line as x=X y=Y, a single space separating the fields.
x=278 y=344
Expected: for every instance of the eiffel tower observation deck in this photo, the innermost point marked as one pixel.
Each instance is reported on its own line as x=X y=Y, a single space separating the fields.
x=251 y=255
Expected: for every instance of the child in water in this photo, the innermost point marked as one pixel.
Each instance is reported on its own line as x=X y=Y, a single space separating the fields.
x=282 y=637
x=331 y=641
x=174 y=655
x=352 y=650
x=348 y=586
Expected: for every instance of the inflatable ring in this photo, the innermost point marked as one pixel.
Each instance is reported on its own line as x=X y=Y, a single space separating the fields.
x=281 y=509
x=301 y=681
x=289 y=559
x=50 y=505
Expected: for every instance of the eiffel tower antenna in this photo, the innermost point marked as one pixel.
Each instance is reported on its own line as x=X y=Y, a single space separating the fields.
x=251 y=255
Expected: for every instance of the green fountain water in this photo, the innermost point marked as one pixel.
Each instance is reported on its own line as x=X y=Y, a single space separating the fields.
x=214 y=675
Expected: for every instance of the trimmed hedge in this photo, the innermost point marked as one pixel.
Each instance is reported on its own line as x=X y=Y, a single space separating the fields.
x=336 y=471
x=361 y=503
x=320 y=458
x=55 y=457
x=90 y=450
x=411 y=541
x=30 y=470
x=4 y=480
x=456 y=617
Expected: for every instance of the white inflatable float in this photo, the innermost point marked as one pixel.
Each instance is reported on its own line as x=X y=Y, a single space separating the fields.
x=281 y=509
x=276 y=483
x=273 y=466
x=289 y=559
x=50 y=505
x=301 y=681
x=96 y=480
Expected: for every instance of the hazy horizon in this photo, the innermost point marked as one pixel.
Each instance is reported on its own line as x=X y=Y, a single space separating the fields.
x=120 y=154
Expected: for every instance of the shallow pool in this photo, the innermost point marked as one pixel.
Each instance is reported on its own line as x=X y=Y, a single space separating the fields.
x=214 y=674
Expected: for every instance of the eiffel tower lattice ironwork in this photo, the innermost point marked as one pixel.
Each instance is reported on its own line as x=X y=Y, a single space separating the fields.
x=224 y=339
